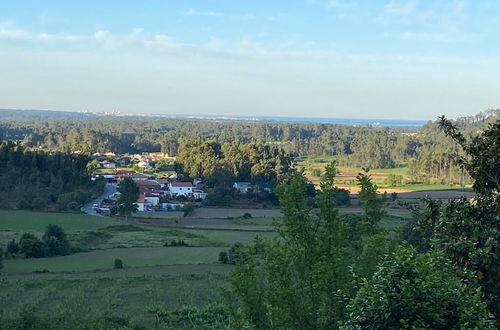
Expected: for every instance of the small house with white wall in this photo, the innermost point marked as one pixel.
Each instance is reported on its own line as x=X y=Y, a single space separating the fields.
x=108 y=165
x=242 y=187
x=180 y=189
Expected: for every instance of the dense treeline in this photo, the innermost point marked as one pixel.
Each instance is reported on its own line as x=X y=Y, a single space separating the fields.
x=256 y=162
x=40 y=180
x=429 y=155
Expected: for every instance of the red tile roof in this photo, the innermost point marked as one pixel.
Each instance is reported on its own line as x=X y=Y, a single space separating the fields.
x=181 y=184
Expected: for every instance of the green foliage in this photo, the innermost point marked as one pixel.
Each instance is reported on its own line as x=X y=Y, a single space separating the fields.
x=342 y=197
x=413 y=291
x=118 y=264
x=1 y=258
x=12 y=248
x=174 y=242
x=31 y=246
x=223 y=257
x=129 y=192
x=372 y=204
x=216 y=198
x=93 y=166
x=468 y=230
x=55 y=241
x=394 y=180
x=304 y=278
x=211 y=316
x=38 y=180
x=482 y=160
x=219 y=163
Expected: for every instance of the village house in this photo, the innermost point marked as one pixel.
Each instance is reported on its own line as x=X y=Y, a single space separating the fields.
x=150 y=187
x=199 y=194
x=242 y=187
x=129 y=174
x=180 y=189
x=108 y=165
x=144 y=164
x=147 y=202
x=163 y=182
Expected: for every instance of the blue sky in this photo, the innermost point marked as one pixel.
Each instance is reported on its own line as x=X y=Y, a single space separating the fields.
x=402 y=59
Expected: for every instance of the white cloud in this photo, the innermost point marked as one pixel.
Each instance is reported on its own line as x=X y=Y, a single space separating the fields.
x=101 y=34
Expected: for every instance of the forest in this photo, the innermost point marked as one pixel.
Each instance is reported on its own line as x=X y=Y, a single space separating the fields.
x=43 y=180
x=429 y=156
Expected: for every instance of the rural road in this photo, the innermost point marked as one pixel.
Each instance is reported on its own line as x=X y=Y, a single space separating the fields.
x=109 y=189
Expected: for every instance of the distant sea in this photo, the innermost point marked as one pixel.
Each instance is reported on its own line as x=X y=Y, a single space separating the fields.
x=339 y=121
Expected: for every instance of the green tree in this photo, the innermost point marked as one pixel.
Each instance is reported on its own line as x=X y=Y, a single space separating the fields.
x=93 y=166
x=417 y=291
x=55 y=240
x=31 y=246
x=223 y=257
x=118 y=264
x=129 y=192
x=469 y=230
x=372 y=204
x=12 y=247
x=303 y=278
x=1 y=258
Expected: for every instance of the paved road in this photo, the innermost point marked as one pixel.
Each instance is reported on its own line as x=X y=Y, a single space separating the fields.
x=109 y=189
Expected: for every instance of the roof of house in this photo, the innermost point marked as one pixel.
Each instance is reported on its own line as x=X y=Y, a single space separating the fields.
x=181 y=184
x=131 y=175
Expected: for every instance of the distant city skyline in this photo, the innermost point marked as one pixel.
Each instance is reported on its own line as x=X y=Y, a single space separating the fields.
x=403 y=59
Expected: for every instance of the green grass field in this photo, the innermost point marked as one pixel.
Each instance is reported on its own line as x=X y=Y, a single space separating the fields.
x=86 y=284
x=103 y=259
x=38 y=221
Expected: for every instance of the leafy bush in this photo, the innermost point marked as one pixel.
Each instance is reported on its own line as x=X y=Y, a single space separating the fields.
x=118 y=264
x=418 y=292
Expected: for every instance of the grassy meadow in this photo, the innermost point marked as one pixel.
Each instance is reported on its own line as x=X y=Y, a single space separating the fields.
x=153 y=274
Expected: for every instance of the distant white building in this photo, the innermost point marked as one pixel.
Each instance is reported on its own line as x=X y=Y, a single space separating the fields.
x=144 y=164
x=242 y=187
x=199 y=194
x=107 y=164
x=180 y=188
x=146 y=202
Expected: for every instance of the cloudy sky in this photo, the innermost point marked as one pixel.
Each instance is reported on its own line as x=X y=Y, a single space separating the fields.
x=401 y=59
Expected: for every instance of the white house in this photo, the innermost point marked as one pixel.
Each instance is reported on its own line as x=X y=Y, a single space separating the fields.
x=180 y=188
x=107 y=164
x=144 y=164
x=146 y=202
x=242 y=187
x=199 y=194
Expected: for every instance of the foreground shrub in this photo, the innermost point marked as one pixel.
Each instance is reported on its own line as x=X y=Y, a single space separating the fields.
x=417 y=291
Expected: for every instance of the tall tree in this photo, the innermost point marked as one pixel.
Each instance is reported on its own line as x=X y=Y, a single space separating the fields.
x=129 y=193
